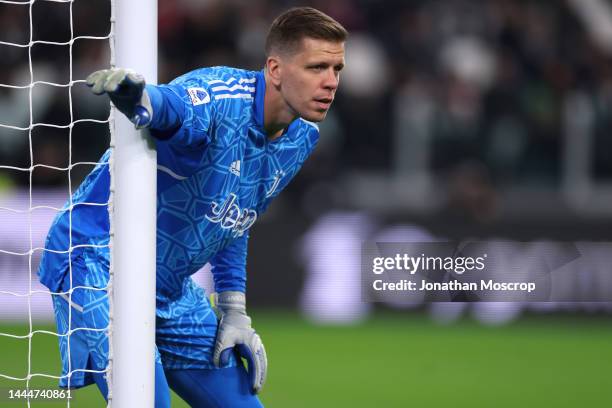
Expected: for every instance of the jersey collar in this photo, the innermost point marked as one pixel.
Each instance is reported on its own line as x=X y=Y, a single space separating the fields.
x=260 y=93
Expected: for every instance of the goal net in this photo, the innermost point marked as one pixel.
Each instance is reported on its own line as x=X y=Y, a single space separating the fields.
x=53 y=131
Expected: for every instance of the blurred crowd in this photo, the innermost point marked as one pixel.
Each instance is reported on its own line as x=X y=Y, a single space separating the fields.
x=495 y=93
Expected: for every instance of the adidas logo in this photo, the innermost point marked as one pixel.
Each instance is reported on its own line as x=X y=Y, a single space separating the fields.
x=235 y=168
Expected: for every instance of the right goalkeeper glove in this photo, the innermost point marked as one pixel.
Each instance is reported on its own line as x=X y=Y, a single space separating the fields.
x=126 y=90
x=235 y=331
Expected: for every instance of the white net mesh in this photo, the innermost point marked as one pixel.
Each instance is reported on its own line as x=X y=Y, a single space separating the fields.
x=52 y=132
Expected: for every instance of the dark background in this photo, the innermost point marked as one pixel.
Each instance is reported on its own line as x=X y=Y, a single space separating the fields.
x=463 y=118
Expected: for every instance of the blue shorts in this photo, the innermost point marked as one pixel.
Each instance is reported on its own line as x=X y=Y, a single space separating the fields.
x=184 y=340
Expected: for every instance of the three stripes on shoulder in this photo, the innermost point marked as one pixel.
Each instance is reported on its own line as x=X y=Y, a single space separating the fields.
x=232 y=88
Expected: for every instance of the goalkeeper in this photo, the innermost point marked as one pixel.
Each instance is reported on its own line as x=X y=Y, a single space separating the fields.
x=228 y=141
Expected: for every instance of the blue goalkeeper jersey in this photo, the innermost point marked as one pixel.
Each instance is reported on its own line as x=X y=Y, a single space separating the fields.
x=217 y=173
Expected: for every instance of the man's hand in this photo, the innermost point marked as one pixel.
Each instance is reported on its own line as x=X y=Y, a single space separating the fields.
x=235 y=331
x=127 y=91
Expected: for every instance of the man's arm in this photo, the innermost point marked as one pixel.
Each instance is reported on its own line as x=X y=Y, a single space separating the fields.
x=171 y=111
x=229 y=266
x=168 y=111
x=235 y=331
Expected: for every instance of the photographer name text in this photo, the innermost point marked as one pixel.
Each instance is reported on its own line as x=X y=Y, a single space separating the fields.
x=424 y=285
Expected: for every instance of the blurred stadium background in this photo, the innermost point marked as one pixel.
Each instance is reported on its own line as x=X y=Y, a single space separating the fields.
x=455 y=119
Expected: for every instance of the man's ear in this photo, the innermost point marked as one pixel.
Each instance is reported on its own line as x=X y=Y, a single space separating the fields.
x=274 y=67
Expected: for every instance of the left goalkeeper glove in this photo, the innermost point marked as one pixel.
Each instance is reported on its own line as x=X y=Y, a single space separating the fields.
x=235 y=331
x=127 y=91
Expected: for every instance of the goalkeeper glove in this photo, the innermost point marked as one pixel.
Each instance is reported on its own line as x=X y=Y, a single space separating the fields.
x=126 y=90
x=235 y=331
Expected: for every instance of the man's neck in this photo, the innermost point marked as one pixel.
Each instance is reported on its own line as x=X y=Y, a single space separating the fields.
x=277 y=115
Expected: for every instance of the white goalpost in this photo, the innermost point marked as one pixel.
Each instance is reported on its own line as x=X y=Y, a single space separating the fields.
x=133 y=219
x=132 y=208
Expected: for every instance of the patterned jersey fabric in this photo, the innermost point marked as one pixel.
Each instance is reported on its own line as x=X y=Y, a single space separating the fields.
x=217 y=173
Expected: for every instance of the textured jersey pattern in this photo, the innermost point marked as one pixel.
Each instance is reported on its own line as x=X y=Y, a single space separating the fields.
x=217 y=173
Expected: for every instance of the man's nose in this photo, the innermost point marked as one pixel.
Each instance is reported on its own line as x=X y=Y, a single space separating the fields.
x=331 y=79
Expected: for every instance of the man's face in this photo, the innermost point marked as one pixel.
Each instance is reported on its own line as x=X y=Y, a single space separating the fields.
x=310 y=76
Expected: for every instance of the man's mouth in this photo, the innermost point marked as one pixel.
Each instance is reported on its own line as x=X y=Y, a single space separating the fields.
x=323 y=103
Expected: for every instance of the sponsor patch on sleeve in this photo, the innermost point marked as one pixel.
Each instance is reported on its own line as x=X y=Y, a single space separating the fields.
x=198 y=96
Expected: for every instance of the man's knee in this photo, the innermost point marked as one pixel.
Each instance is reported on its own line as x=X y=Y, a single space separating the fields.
x=212 y=388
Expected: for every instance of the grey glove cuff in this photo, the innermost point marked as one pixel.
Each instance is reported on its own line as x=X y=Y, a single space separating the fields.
x=231 y=301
